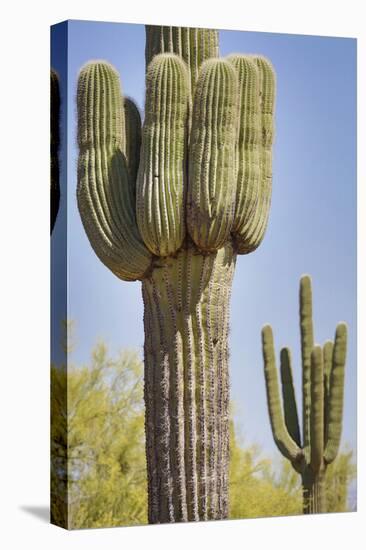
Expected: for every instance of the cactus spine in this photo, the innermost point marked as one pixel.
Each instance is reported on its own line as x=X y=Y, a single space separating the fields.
x=55 y=143
x=174 y=214
x=322 y=390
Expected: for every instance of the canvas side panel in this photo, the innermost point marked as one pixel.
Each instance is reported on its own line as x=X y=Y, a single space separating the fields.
x=59 y=325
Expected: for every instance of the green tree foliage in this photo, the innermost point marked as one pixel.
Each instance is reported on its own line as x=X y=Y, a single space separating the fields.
x=338 y=479
x=98 y=474
x=254 y=490
x=104 y=474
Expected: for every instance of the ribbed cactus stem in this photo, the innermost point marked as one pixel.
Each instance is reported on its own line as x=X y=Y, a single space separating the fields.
x=254 y=151
x=186 y=385
x=162 y=174
x=106 y=194
x=55 y=144
x=323 y=387
x=248 y=145
x=327 y=359
x=212 y=167
x=193 y=45
x=283 y=440
x=313 y=489
x=335 y=394
x=288 y=397
x=267 y=87
x=317 y=409
x=307 y=344
x=132 y=137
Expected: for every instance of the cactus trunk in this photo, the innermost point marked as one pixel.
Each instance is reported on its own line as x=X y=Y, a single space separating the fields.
x=313 y=490
x=186 y=316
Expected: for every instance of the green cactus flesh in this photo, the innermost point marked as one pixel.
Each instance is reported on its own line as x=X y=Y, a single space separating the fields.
x=174 y=213
x=322 y=387
x=160 y=183
x=194 y=46
x=106 y=191
x=212 y=168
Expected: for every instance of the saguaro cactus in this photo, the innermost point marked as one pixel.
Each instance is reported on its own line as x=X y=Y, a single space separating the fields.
x=322 y=397
x=175 y=214
x=55 y=143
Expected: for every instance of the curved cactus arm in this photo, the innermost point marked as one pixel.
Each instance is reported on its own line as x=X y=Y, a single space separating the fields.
x=194 y=45
x=288 y=396
x=317 y=409
x=307 y=344
x=212 y=172
x=267 y=90
x=105 y=192
x=248 y=150
x=282 y=438
x=161 y=180
x=327 y=360
x=55 y=143
x=132 y=136
x=336 y=387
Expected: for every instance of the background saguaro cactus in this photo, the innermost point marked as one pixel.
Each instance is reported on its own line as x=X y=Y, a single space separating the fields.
x=322 y=398
x=174 y=214
x=55 y=143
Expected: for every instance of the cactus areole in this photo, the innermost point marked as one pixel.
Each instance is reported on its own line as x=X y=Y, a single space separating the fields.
x=172 y=204
x=322 y=397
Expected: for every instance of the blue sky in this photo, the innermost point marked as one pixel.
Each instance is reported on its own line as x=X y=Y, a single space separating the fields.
x=312 y=225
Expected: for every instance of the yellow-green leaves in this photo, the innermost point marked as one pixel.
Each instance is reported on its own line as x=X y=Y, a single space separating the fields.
x=98 y=472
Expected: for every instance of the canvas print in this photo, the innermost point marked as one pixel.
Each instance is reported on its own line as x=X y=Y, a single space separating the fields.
x=203 y=239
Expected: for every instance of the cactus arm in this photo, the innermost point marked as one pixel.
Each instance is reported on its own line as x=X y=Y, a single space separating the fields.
x=194 y=45
x=267 y=87
x=327 y=359
x=55 y=143
x=288 y=397
x=248 y=149
x=105 y=192
x=132 y=136
x=307 y=344
x=336 y=388
x=161 y=178
x=317 y=410
x=282 y=438
x=212 y=172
